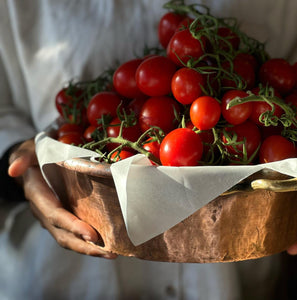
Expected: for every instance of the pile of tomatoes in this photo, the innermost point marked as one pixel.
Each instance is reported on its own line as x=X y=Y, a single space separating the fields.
x=208 y=95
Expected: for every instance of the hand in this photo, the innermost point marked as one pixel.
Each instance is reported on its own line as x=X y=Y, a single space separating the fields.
x=69 y=231
x=292 y=250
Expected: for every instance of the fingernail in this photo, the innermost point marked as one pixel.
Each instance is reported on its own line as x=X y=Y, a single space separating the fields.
x=86 y=238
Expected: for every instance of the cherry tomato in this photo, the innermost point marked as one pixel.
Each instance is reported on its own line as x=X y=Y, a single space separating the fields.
x=238 y=113
x=130 y=133
x=103 y=103
x=153 y=76
x=66 y=101
x=205 y=112
x=250 y=58
x=87 y=134
x=136 y=104
x=186 y=85
x=279 y=74
x=167 y=26
x=246 y=132
x=244 y=69
x=230 y=40
x=123 y=154
x=69 y=128
x=124 y=79
x=294 y=66
x=160 y=112
x=275 y=148
x=153 y=147
x=182 y=46
x=73 y=138
x=181 y=147
x=260 y=107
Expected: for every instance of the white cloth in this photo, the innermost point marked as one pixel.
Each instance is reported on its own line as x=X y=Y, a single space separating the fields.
x=44 y=44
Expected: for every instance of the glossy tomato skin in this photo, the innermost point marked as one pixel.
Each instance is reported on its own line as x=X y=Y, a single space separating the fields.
x=279 y=74
x=69 y=128
x=87 y=134
x=103 y=103
x=247 y=131
x=136 y=104
x=183 y=45
x=154 y=74
x=167 y=26
x=205 y=112
x=186 y=85
x=124 y=79
x=238 y=113
x=230 y=41
x=123 y=154
x=72 y=138
x=153 y=147
x=275 y=148
x=181 y=147
x=160 y=112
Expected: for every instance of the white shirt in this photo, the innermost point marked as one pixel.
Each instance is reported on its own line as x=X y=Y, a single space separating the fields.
x=44 y=44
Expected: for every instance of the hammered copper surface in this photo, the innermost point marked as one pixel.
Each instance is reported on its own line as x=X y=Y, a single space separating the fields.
x=239 y=226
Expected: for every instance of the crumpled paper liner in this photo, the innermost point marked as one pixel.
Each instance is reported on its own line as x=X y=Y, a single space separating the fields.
x=171 y=214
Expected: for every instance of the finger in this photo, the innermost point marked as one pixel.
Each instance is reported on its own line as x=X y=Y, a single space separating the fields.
x=49 y=209
x=292 y=250
x=69 y=241
x=22 y=158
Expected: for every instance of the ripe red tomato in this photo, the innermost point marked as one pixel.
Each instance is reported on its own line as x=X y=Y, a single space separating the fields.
x=65 y=102
x=250 y=58
x=275 y=148
x=244 y=69
x=167 y=26
x=87 y=134
x=186 y=85
x=205 y=112
x=136 y=104
x=182 y=46
x=123 y=154
x=153 y=76
x=160 y=112
x=230 y=40
x=279 y=74
x=153 y=147
x=181 y=147
x=103 y=103
x=130 y=133
x=238 y=113
x=69 y=128
x=73 y=138
x=246 y=132
x=260 y=107
x=124 y=79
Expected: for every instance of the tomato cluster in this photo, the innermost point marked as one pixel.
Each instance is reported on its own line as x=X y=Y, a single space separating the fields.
x=209 y=95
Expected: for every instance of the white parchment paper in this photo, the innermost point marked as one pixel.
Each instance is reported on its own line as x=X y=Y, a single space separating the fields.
x=154 y=199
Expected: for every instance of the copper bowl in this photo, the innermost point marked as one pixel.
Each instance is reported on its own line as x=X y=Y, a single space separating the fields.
x=256 y=218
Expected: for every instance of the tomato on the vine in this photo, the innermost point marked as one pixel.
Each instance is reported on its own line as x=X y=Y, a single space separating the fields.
x=120 y=155
x=182 y=46
x=205 y=112
x=275 y=148
x=69 y=128
x=72 y=138
x=229 y=39
x=152 y=146
x=279 y=74
x=181 y=147
x=238 y=113
x=124 y=79
x=87 y=134
x=167 y=26
x=160 y=112
x=186 y=85
x=154 y=74
x=103 y=103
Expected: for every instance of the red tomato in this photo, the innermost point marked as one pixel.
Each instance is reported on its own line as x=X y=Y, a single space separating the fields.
x=168 y=24
x=275 y=148
x=153 y=76
x=244 y=69
x=103 y=103
x=230 y=40
x=238 y=113
x=123 y=154
x=182 y=46
x=74 y=138
x=136 y=104
x=246 y=132
x=279 y=74
x=260 y=107
x=130 y=133
x=66 y=101
x=205 y=112
x=186 y=85
x=181 y=147
x=153 y=147
x=250 y=58
x=69 y=128
x=88 y=133
x=185 y=23
x=124 y=79
x=295 y=72
x=160 y=112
